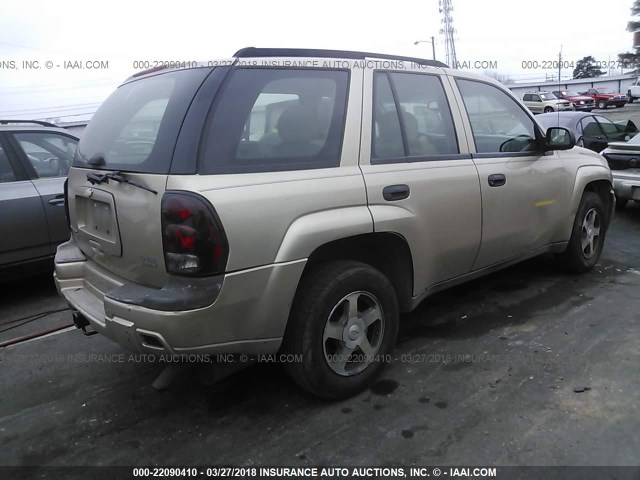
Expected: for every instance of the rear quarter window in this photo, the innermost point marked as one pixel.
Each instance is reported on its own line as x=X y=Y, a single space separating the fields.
x=136 y=128
x=275 y=120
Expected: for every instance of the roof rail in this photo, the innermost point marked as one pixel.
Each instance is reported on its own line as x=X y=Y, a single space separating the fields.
x=37 y=122
x=308 y=52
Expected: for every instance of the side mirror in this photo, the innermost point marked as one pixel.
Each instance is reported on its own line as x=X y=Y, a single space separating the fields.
x=559 y=138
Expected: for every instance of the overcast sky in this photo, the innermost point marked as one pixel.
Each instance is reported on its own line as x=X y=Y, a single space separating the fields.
x=121 y=32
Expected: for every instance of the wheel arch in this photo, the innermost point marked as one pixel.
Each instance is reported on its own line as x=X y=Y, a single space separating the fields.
x=388 y=252
x=591 y=178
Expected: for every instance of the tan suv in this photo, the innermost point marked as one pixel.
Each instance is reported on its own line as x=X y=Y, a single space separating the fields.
x=297 y=201
x=546 y=102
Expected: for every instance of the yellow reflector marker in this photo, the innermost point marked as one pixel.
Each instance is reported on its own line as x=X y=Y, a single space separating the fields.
x=544 y=203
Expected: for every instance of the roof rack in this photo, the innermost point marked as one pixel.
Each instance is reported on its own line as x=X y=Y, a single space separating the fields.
x=37 y=122
x=305 y=52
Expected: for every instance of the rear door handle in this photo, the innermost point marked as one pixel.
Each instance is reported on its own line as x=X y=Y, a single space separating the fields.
x=58 y=201
x=395 y=192
x=497 y=180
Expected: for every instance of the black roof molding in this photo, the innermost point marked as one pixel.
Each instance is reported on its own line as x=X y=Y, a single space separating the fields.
x=37 y=122
x=308 y=52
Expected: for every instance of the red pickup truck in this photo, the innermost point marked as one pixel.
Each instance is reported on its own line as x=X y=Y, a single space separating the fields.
x=604 y=98
x=581 y=103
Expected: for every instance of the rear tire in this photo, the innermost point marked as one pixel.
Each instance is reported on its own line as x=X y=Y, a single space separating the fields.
x=343 y=326
x=587 y=235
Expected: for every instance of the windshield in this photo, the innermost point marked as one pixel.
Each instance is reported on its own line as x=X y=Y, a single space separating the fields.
x=548 y=96
x=603 y=90
x=136 y=128
x=570 y=93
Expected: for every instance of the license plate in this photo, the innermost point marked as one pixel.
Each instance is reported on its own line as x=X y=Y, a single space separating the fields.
x=96 y=218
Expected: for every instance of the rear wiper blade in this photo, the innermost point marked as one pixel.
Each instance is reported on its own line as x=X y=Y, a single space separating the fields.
x=117 y=177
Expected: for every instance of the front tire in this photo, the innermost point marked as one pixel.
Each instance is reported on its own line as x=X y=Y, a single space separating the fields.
x=602 y=104
x=548 y=110
x=343 y=326
x=587 y=235
x=630 y=97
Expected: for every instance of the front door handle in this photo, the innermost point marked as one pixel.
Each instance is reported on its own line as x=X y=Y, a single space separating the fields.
x=58 y=201
x=497 y=180
x=395 y=192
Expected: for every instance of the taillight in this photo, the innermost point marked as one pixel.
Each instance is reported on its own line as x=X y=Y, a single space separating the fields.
x=192 y=237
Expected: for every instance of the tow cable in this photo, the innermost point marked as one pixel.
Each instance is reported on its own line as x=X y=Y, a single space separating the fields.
x=31 y=336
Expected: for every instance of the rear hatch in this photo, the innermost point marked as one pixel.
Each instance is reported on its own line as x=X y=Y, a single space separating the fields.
x=120 y=172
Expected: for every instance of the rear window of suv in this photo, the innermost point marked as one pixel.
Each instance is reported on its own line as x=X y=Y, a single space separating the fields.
x=136 y=128
x=274 y=120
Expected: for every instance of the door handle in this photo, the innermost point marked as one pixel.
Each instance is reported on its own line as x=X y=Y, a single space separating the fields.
x=395 y=192
x=57 y=201
x=497 y=180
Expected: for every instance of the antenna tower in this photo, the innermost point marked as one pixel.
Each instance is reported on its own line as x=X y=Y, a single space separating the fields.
x=446 y=9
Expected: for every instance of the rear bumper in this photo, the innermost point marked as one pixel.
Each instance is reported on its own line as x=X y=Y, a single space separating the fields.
x=248 y=315
x=626 y=184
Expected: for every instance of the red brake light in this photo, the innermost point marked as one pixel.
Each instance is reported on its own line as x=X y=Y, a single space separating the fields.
x=192 y=236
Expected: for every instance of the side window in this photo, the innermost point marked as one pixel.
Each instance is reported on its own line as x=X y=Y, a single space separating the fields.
x=275 y=120
x=387 y=136
x=527 y=97
x=50 y=154
x=425 y=114
x=498 y=123
x=535 y=98
x=424 y=126
x=607 y=126
x=6 y=172
x=590 y=127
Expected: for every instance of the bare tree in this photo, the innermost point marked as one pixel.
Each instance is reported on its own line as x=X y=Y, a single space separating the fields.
x=501 y=77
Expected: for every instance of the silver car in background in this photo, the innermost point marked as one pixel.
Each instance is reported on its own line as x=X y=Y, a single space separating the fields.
x=624 y=161
x=34 y=161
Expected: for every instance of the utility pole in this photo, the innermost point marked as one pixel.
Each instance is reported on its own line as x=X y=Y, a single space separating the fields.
x=559 y=67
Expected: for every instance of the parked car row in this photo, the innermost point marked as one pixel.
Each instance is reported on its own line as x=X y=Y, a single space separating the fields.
x=568 y=100
x=546 y=102
x=618 y=142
